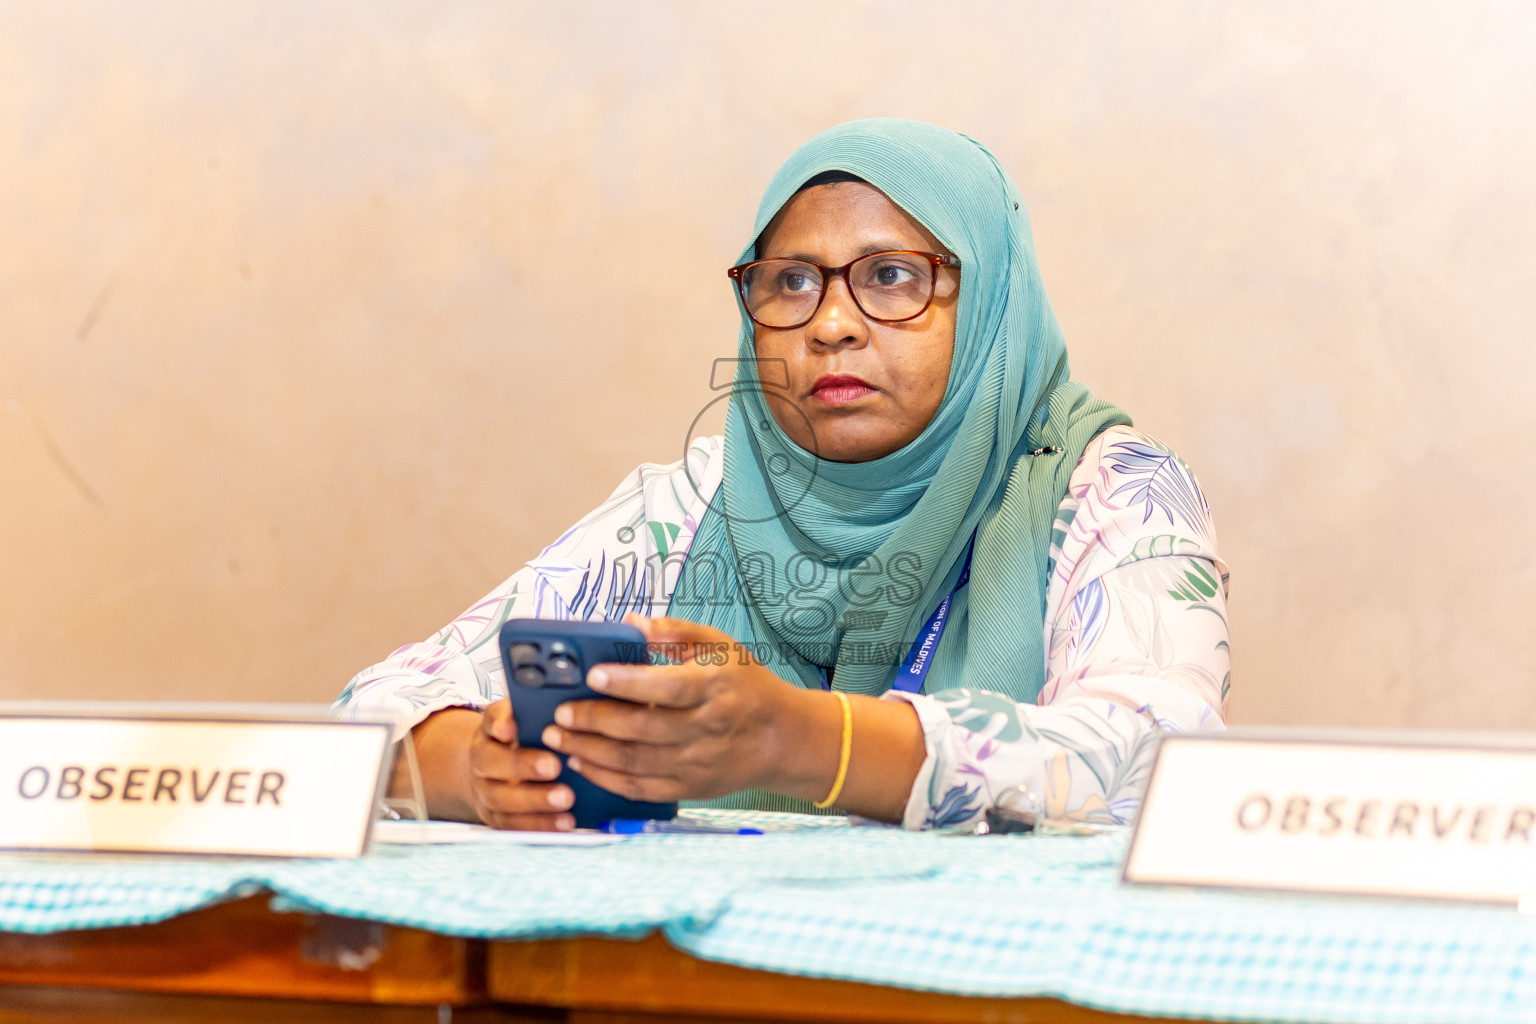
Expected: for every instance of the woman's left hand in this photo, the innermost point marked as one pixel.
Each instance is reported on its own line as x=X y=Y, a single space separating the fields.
x=718 y=723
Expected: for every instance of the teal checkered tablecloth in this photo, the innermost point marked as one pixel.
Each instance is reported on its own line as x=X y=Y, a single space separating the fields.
x=994 y=916
x=1049 y=917
x=40 y=893
x=627 y=889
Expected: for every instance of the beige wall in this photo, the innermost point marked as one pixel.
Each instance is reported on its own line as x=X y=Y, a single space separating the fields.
x=317 y=318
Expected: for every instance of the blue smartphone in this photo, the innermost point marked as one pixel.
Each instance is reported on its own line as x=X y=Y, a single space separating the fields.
x=546 y=663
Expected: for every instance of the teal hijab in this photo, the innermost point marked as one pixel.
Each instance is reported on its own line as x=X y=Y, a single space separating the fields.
x=820 y=564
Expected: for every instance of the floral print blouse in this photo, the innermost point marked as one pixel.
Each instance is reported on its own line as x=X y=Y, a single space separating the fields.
x=1135 y=634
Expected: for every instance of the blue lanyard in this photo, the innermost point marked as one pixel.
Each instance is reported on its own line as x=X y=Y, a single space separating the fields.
x=914 y=668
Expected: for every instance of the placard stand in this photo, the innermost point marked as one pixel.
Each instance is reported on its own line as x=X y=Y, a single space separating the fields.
x=414 y=805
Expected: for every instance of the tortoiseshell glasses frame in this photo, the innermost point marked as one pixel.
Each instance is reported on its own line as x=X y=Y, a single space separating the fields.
x=744 y=275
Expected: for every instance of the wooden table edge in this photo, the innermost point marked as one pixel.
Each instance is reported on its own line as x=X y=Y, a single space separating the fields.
x=650 y=975
x=244 y=948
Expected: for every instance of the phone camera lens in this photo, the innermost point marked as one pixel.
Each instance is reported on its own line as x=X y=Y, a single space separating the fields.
x=563 y=671
x=530 y=675
x=524 y=654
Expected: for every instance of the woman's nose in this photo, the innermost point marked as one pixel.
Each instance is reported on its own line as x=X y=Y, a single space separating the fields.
x=838 y=320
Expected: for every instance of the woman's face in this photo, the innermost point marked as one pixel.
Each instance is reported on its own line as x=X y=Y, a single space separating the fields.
x=862 y=388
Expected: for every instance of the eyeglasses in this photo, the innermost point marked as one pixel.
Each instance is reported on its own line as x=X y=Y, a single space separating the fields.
x=887 y=286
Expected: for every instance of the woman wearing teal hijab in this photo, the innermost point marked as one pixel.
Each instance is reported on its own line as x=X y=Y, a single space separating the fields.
x=922 y=569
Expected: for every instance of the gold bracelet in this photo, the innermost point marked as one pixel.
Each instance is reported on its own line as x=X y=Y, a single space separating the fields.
x=842 y=759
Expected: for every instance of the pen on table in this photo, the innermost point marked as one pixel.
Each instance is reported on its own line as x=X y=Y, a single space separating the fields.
x=648 y=826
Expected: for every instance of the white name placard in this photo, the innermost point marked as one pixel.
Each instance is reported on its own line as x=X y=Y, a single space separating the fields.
x=189 y=785
x=1414 y=815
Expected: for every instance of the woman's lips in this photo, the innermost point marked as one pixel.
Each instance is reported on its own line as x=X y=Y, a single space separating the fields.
x=840 y=389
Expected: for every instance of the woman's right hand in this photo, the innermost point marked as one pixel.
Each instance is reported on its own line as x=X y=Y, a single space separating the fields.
x=510 y=785
x=472 y=769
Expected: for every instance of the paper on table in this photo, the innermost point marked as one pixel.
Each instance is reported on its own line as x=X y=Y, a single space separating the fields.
x=434 y=833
